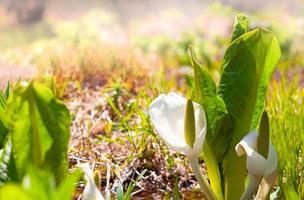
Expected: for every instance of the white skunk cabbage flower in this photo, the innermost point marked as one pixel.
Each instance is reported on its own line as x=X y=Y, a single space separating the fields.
x=257 y=166
x=182 y=125
x=90 y=192
x=167 y=113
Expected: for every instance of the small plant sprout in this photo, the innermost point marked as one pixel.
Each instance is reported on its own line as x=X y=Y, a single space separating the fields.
x=182 y=125
x=261 y=160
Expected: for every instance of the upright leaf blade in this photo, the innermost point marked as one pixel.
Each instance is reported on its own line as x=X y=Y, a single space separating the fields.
x=217 y=138
x=67 y=186
x=11 y=191
x=39 y=130
x=248 y=64
x=247 y=67
x=217 y=116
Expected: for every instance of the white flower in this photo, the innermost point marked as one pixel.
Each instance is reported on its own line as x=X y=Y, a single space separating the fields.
x=167 y=113
x=258 y=167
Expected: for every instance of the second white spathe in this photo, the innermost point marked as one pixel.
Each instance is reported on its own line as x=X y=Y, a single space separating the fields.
x=257 y=165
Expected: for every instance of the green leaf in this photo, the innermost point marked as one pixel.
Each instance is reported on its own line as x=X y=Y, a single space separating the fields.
x=189 y=124
x=218 y=124
x=7 y=90
x=263 y=138
x=11 y=191
x=2 y=101
x=39 y=130
x=67 y=186
x=240 y=26
x=38 y=184
x=248 y=64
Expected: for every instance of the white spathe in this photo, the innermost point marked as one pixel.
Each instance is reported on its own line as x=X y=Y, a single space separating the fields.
x=167 y=113
x=257 y=165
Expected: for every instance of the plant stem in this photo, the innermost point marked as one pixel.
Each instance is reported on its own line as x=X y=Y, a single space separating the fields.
x=205 y=187
x=235 y=173
x=213 y=172
x=251 y=188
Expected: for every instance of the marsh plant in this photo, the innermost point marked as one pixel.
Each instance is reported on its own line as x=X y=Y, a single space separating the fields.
x=226 y=123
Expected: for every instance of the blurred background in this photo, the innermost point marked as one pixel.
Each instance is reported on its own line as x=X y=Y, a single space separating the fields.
x=29 y=27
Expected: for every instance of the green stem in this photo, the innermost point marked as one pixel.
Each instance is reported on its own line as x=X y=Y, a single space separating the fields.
x=235 y=173
x=213 y=172
x=201 y=178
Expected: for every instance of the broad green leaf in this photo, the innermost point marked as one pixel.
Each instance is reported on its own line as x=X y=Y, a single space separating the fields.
x=49 y=81
x=218 y=124
x=38 y=184
x=263 y=138
x=246 y=70
x=11 y=191
x=67 y=186
x=39 y=129
x=189 y=124
x=247 y=67
x=240 y=26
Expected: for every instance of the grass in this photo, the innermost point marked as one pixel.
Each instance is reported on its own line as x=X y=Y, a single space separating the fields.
x=285 y=106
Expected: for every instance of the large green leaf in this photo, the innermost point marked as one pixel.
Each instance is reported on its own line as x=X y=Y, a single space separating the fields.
x=39 y=130
x=41 y=185
x=246 y=70
x=67 y=186
x=12 y=191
